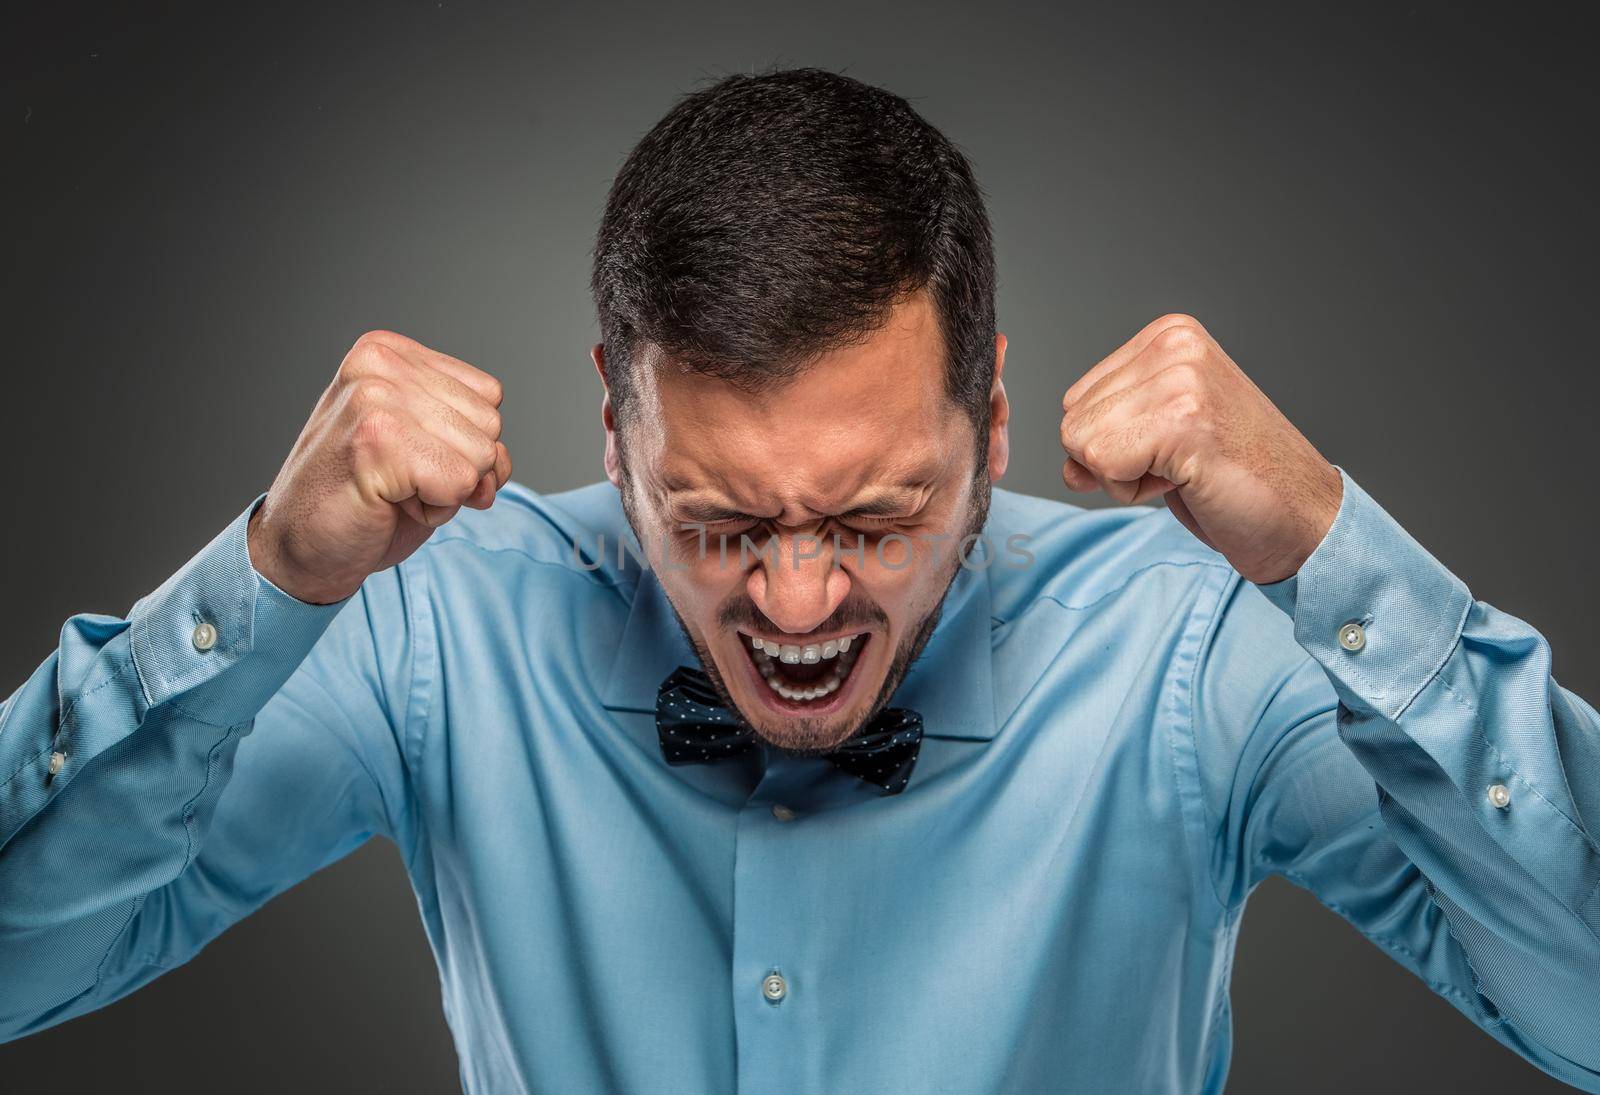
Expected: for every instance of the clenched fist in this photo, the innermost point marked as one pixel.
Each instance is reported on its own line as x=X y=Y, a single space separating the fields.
x=1169 y=413
x=398 y=443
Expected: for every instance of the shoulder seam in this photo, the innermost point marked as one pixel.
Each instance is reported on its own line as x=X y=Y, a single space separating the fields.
x=588 y=576
x=1129 y=578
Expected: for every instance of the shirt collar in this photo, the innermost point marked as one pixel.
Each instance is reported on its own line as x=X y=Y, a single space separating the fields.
x=951 y=684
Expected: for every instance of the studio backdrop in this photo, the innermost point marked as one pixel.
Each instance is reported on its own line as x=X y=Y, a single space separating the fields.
x=1385 y=214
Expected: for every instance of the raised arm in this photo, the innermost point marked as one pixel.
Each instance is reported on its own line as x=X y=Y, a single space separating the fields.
x=1406 y=752
x=1403 y=751
x=163 y=774
x=168 y=772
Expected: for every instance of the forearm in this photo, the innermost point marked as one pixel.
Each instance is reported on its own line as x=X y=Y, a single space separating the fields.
x=113 y=757
x=1483 y=764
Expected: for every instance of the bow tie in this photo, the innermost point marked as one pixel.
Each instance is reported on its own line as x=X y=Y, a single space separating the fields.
x=695 y=728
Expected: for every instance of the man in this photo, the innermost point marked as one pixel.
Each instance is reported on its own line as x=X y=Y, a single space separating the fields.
x=845 y=771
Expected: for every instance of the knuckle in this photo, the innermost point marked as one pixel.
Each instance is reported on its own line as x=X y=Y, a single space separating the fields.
x=375 y=429
x=484 y=453
x=1177 y=339
x=464 y=478
x=442 y=469
x=382 y=336
x=1185 y=376
x=493 y=390
x=1069 y=433
x=369 y=359
x=370 y=395
x=477 y=447
x=1180 y=319
x=1187 y=404
x=1094 y=452
x=383 y=357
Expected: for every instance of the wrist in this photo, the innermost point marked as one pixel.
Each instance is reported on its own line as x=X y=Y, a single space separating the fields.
x=269 y=562
x=1328 y=499
x=1311 y=516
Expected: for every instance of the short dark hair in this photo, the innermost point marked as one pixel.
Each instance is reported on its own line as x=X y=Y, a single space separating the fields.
x=773 y=217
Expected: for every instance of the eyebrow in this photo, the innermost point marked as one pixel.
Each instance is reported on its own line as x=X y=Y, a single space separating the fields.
x=884 y=505
x=891 y=502
x=700 y=512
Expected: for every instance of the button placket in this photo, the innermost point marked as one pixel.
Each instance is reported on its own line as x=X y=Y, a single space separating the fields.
x=770 y=944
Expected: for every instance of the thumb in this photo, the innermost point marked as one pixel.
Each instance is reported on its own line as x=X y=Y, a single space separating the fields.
x=412 y=508
x=1180 y=510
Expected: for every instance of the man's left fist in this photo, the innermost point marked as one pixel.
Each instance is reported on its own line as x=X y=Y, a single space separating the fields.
x=1170 y=413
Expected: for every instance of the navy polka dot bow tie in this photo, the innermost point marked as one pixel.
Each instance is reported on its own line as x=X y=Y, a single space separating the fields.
x=695 y=728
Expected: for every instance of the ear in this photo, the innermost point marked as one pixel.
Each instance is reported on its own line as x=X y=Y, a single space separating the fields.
x=607 y=418
x=999 y=415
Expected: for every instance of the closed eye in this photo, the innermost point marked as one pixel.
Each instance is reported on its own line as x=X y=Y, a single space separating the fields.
x=722 y=524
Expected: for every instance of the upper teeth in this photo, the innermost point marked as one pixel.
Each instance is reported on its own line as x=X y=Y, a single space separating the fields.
x=836 y=651
x=809 y=654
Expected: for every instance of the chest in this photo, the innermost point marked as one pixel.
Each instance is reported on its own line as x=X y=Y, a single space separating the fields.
x=1027 y=901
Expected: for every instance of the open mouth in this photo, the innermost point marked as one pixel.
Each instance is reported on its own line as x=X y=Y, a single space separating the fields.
x=812 y=677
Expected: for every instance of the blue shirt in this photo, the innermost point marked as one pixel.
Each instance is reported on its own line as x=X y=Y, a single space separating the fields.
x=1122 y=740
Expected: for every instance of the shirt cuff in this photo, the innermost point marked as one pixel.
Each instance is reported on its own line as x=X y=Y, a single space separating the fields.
x=218 y=638
x=1373 y=607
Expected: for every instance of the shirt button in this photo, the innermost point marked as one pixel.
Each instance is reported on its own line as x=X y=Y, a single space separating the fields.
x=774 y=987
x=1499 y=796
x=1352 y=636
x=204 y=637
x=782 y=812
x=57 y=759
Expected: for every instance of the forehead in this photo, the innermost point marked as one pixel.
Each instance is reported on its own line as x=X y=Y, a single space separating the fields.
x=872 y=413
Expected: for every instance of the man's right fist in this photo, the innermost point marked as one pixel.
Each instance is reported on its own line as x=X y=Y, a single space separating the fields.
x=400 y=441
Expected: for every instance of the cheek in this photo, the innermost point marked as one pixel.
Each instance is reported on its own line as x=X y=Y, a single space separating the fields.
x=701 y=587
x=904 y=583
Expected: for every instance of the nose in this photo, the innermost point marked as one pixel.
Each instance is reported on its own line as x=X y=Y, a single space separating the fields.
x=796 y=584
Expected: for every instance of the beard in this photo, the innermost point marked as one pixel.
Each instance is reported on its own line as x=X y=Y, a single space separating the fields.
x=809 y=737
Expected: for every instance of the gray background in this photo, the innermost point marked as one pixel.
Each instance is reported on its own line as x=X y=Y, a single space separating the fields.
x=1386 y=217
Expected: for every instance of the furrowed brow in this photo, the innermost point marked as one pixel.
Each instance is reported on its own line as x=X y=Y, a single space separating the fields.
x=892 y=502
x=703 y=511
x=883 y=505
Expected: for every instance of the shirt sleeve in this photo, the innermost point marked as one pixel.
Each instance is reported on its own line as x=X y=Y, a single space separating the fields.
x=1402 y=750
x=164 y=774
